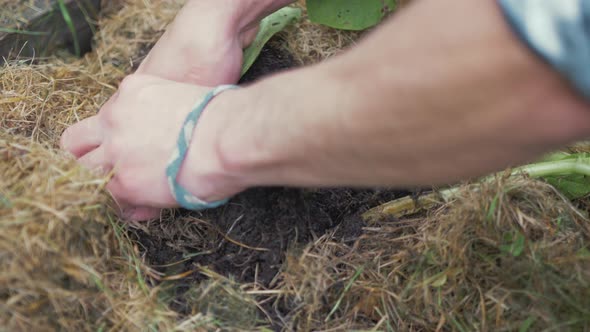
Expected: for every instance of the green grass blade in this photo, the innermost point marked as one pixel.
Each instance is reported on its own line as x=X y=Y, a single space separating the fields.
x=356 y=275
x=70 y=23
x=23 y=32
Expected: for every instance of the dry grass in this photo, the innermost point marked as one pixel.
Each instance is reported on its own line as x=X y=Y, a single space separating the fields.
x=40 y=101
x=64 y=263
x=509 y=254
x=311 y=43
x=15 y=14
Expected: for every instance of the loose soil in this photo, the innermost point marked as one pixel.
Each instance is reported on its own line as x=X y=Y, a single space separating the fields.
x=247 y=239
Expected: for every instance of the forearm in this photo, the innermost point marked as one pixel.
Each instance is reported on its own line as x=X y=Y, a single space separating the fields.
x=434 y=106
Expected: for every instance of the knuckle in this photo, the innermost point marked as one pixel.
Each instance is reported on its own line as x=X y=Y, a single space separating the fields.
x=128 y=83
x=110 y=117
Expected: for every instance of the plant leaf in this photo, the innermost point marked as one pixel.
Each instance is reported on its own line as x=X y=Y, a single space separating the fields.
x=269 y=26
x=349 y=14
x=516 y=245
x=439 y=281
x=572 y=186
x=526 y=325
x=492 y=209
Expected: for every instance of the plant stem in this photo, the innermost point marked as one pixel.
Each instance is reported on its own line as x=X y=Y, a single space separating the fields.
x=565 y=165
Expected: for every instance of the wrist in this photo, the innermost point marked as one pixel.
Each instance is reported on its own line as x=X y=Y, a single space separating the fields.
x=273 y=131
x=204 y=172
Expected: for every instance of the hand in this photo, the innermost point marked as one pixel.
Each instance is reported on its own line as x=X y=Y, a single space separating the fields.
x=131 y=136
x=203 y=45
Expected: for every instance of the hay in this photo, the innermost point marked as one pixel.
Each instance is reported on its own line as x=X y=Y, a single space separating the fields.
x=40 y=101
x=61 y=264
x=312 y=43
x=512 y=255
x=15 y=14
x=66 y=263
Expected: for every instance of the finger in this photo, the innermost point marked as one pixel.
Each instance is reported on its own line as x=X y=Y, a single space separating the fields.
x=135 y=213
x=248 y=36
x=82 y=137
x=140 y=213
x=133 y=191
x=95 y=160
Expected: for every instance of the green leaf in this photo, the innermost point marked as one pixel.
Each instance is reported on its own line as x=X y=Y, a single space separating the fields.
x=269 y=26
x=439 y=281
x=349 y=14
x=516 y=247
x=526 y=325
x=492 y=209
x=572 y=186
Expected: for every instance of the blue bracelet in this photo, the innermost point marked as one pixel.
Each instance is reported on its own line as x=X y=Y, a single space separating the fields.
x=558 y=31
x=181 y=195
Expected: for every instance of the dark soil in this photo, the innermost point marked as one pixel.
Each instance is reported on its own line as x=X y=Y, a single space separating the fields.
x=265 y=222
x=247 y=239
x=273 y=58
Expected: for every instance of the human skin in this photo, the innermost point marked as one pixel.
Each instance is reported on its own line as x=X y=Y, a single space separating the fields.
x=203 y=45
x=431 y=97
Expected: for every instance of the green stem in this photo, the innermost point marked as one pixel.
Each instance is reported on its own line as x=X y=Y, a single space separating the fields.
x=559 y=164
x=569 y=166
x=68 y=19
x=23 y=32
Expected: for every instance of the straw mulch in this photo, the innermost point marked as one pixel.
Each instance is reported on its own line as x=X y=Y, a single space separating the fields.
x=509 y=255
x=65 y=260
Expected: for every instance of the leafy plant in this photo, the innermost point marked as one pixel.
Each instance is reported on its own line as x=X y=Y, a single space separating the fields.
x=269 y=26
x=349 y=14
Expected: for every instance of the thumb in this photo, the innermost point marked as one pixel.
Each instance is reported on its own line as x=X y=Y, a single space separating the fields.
x=140 y=213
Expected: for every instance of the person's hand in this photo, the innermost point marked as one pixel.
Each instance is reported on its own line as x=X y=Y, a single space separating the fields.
x=203 y=45
x=132 y=137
